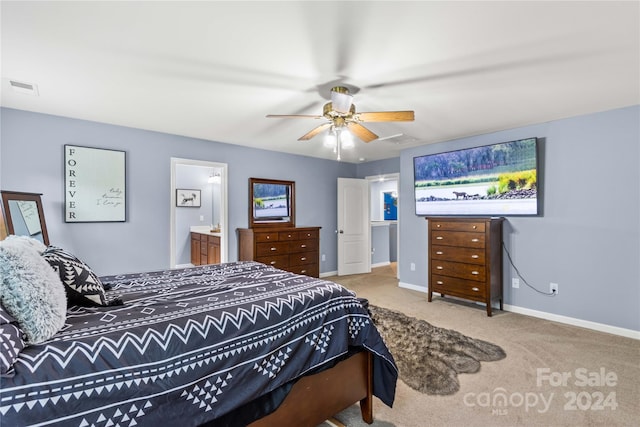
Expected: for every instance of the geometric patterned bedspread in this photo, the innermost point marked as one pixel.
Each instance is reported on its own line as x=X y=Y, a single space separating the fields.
x=188 y=346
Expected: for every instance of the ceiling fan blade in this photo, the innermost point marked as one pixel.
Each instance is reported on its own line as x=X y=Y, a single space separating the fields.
x=386 y=116
x=293 y=116
x=361 y=132
x=315 y=131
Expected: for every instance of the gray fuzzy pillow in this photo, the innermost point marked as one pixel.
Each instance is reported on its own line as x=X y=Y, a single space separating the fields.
x=31 y=291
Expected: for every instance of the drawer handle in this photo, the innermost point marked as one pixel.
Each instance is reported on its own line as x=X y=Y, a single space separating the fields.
x=304 y=258
x=475 y=256
x=437 y=225
x=475 y=240
x=475 y=289
x=303 y=246
x=439 y=252
x=475 y=273
x=439 y=267
x=303 y=271
x=475 y=226
x=439 y=282
x=289 y=235
x=273 y=249
x=272 y=263
x=439 y=237
x=268 y=237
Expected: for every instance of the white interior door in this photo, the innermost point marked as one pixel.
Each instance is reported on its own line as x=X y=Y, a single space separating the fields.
x=354 y=253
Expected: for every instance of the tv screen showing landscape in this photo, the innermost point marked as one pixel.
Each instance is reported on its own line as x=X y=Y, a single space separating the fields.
x=491 y=180
x=271 y=201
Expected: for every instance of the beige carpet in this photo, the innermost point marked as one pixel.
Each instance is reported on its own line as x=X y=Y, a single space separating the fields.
x=553 y=375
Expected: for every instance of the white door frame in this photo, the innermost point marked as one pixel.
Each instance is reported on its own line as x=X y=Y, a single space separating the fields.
x=224 y=239
x=388 y=177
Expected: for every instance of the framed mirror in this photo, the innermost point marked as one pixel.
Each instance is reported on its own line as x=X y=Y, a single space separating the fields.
x=23 y=215
x=271 y=203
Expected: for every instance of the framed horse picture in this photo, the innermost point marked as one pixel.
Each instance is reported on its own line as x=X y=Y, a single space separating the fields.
x=188 y=198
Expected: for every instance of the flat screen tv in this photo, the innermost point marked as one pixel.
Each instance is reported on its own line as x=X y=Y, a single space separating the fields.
x=492 y=180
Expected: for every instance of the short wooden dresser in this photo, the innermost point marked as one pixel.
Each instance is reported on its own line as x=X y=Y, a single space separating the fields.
x=465 y=258
x=295 y=249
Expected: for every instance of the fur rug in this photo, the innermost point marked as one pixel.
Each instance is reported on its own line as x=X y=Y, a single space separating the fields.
x=429 y=358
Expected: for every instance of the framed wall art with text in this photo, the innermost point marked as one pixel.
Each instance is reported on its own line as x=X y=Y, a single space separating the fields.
x=95 y=189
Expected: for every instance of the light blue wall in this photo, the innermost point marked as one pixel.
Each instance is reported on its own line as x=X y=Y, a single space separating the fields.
x=32 y=161
x=378 y=167
x=588 y=239
x=380 y=244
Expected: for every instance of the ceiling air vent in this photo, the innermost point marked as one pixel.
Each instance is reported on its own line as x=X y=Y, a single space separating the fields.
x=22 y=87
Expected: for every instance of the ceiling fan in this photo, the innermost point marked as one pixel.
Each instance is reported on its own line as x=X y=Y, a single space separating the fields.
x=341 y=113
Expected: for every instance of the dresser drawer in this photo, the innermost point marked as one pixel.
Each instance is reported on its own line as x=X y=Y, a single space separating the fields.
x=288 y=235
x=266 y=236
x=450 y=253
x=278 y=261
x=458 y=226
x=457 y=287
x=309 y=234
x=459 y=269
x=303 y=245
x=273 y=248
x=307 y=269
x=303 y=258
x=457 y=238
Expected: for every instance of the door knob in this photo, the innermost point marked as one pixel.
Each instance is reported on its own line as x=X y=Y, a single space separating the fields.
x=341 y=232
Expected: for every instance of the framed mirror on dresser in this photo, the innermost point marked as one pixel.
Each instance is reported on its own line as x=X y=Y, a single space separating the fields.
x=272 y=203
x=22 y=215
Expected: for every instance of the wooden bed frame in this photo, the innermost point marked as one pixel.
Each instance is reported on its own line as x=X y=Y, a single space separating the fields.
x=316 y=398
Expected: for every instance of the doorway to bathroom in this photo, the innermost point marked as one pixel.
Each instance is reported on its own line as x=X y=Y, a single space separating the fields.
x=198 y=202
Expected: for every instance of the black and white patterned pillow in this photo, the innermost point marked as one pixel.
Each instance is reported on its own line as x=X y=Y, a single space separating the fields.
x=11 y=341
x=83 y=286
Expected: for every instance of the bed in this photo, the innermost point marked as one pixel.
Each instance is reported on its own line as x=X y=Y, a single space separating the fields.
x=233 y=344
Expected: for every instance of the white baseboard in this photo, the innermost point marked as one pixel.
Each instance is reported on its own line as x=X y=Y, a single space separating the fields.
x=328 y=273
x=380 y=264
x=412 y=287
x=601 y=327
x=184 y=265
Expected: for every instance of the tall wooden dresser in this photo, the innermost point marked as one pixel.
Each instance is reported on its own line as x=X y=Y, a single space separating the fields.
x=465 y=258
x=295 y=249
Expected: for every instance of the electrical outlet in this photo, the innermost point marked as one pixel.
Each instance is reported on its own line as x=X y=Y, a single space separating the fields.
x=553 y=288
x=515 y=282
x=413 y=266
x=324 y=257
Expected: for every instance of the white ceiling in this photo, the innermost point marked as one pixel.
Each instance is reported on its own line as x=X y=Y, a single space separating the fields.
x=213 y=70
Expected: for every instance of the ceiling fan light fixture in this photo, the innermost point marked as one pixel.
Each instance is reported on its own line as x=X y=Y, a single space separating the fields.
x=346 y=139
x=330 y=138
x=341 y=100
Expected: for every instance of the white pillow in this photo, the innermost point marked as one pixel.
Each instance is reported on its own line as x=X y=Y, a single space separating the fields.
x=31 y=291
x=25 y=242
